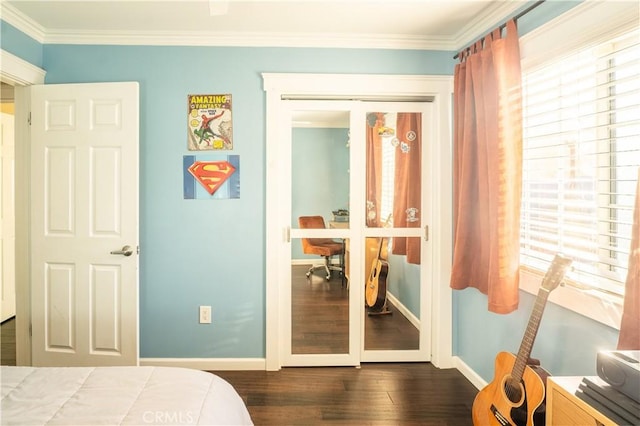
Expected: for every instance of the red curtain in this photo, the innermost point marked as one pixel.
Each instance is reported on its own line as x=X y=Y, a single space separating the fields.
x=488 y=169
x=406 y=203
x=629 y=338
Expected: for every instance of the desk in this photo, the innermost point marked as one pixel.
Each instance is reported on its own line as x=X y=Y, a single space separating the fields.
x=344 y=259
x=338 y=225
x=370 y=251
x=566 y=409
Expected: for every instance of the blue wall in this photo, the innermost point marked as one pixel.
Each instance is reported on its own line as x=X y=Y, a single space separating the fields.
x=566 y=344
x=404 y=283
x=212 y=252
x=20 y=45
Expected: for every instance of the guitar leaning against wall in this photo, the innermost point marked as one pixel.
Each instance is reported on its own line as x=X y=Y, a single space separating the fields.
x=376 y=287
x=518 y=389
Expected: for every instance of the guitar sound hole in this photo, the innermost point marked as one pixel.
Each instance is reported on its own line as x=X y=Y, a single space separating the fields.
x=513 y=391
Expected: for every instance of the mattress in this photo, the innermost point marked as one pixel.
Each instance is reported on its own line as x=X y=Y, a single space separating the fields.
x=118 y=396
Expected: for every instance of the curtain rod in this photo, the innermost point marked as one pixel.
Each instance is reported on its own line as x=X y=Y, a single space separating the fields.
x=518 y=16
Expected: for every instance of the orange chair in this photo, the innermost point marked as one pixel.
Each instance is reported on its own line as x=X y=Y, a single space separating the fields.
x=325 y=247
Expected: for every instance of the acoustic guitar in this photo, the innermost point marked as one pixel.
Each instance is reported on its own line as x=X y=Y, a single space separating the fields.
x=376 y=287
x=516 y=394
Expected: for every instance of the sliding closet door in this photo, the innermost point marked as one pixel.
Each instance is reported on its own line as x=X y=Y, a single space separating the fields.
x=397 y=263
x=321 y=310
x=359 y=166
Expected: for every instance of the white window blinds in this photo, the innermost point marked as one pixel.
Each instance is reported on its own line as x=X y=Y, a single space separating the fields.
x=581 y=157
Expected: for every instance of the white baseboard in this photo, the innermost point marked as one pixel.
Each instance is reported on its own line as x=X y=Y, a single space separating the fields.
x=468 y=372
x=403 y=310
x=208 y=364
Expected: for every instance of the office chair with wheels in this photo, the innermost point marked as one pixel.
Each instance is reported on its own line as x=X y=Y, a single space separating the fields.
x=325 y=247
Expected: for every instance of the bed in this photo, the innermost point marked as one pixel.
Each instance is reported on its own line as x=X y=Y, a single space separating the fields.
x=118 y=396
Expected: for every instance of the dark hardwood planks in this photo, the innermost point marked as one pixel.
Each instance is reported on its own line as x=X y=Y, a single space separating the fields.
x=8 y=342
x=375 y=394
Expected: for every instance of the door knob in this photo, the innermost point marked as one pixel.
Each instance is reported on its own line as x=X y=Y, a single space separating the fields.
x=126 y=251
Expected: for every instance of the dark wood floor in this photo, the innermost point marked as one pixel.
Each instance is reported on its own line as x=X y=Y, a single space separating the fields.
x=8 y=342
x=376 y=394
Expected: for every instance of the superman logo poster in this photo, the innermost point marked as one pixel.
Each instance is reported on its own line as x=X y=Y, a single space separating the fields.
x=211 y=177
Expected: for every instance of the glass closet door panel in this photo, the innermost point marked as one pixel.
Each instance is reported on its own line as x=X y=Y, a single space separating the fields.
x=394 y=232
x=394 y=170
x=321 y=320
x=392 y=298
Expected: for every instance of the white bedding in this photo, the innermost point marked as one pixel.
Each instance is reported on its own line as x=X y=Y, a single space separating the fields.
x=118 y=396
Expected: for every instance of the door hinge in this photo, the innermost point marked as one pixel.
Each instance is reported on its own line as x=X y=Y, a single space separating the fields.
x=29 y=118
x=30 y=330
x=426 y=232
x=287 y=234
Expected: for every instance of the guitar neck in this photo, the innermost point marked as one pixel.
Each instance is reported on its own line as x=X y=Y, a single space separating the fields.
x=381 y=242
x=380 y=248
x=530 y=334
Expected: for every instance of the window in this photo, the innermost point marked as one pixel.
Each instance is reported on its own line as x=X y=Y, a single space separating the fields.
x=580 y=162
x=388 y=170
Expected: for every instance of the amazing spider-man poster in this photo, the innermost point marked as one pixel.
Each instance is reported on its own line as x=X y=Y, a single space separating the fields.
x=209 y=122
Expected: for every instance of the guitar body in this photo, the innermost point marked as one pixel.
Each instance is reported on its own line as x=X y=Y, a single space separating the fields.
x=503 y=402
x=515 y=396
x=376 y=289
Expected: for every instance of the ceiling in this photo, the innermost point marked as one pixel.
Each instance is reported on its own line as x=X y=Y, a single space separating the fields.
x=408 y=24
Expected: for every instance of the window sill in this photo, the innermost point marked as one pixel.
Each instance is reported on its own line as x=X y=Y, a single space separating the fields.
x=608 y=311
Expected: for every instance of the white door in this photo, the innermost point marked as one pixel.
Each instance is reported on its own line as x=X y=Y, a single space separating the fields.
x=7 y=216
x=84 y=224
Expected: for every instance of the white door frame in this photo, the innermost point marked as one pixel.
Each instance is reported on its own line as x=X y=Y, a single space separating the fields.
x=378 y=87
x=20 y=73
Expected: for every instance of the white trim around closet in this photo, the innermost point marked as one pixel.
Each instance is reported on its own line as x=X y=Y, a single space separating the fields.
x=437 y=89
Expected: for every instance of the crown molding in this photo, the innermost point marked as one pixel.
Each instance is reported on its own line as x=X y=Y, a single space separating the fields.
x=14 y=17
x=172 y=38
x=495 y=13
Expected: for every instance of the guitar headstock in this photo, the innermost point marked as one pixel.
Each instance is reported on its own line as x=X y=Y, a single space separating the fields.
x=555 y=273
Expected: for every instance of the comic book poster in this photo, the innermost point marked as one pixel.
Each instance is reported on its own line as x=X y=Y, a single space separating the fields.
x=211 y=176
x=210 y=124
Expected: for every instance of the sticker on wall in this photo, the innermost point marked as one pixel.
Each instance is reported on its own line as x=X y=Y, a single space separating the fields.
x=208 y=177
x=209 y=122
